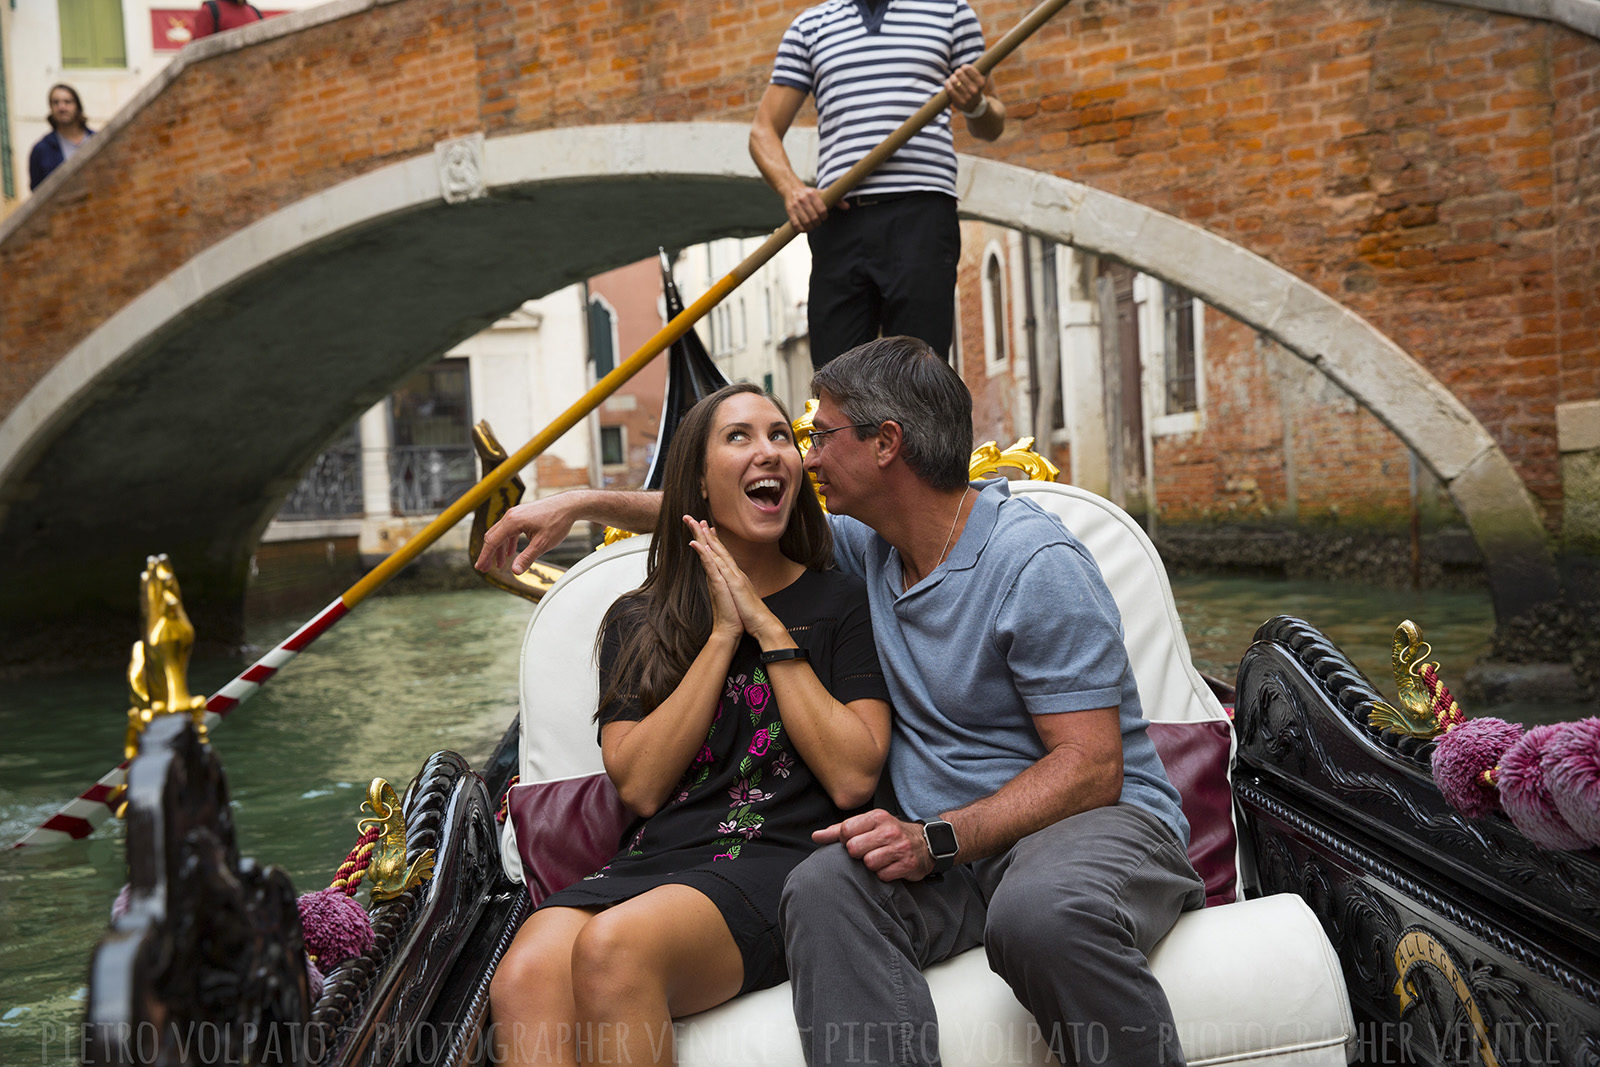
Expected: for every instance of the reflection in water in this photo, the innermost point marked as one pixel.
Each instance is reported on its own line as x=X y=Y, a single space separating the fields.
x=401 y=678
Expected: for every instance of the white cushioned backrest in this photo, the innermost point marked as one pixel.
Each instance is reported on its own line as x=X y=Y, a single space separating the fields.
x=560 y=680
x=1170 y=689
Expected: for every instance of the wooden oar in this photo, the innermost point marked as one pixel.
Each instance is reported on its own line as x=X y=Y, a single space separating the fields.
x=79 y=818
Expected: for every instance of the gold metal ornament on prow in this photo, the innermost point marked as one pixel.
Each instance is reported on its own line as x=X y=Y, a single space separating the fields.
x=158 y=667
x=533 y=583
x=387 y=866
x=1416 y=716
x=988 y=459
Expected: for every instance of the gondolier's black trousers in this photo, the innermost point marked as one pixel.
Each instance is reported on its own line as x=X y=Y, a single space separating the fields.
x=1067 y=916
x=884 y=266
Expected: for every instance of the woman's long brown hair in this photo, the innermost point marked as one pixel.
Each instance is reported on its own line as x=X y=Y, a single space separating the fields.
x=667 y=620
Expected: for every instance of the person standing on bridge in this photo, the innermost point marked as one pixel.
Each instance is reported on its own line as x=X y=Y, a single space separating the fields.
x=215 y=16
x=886 y=261
x=68 y=130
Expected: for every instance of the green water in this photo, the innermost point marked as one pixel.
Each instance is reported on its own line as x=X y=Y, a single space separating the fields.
x=401 y=678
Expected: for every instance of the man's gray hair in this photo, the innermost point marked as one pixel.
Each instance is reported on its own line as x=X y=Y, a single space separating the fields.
x=903 y=380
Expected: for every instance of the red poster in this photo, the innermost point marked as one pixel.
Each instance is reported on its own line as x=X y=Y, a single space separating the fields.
x=173 y=27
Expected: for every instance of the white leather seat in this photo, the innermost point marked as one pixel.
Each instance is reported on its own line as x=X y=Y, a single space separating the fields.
x=1254 y=981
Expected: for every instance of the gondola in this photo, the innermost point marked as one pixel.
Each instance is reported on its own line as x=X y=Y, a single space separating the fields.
x=1352 y=915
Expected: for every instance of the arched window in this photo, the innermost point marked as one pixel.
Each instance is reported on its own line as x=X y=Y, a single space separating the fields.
x=994 y=310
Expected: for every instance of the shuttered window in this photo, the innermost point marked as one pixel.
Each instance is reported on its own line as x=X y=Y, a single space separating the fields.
x=91 y=33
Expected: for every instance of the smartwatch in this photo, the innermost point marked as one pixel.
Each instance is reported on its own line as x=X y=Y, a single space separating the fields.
x=940 y=837
x=780 y=655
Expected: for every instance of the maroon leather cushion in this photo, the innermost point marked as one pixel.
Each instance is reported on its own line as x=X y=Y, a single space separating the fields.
x=1196 y=757
x=565 y=829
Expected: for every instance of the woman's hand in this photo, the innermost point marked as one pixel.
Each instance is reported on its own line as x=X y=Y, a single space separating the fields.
x=754 y=616
x=726 y=617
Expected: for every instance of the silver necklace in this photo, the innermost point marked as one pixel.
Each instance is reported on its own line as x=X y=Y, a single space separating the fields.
x=904 y=577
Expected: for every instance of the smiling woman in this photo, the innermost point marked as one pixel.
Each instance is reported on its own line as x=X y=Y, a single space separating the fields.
x=742 y=708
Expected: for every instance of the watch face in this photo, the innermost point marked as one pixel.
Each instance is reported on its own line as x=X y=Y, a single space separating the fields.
x=941 y=838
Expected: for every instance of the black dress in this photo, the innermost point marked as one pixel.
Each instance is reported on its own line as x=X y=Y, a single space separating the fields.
x=742 y=814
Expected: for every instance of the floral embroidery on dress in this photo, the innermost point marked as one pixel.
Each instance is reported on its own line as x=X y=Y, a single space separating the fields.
x=744 y=791
x=758 y=695
x=744 y=822
x=782 y=765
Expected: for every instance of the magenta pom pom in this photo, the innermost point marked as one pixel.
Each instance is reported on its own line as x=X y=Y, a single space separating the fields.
x=1463 y=754
x=314 y=980
x=1525 y=796
x=1572 y=774
x=336 y=927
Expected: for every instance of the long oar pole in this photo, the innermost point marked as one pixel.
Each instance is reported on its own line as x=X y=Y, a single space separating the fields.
x=91 y=808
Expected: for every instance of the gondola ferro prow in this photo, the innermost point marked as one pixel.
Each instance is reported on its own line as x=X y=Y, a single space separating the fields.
x=536 y=581
x=387 y=867
x=158 y=666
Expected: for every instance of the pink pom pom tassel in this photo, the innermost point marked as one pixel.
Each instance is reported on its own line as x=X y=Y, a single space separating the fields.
x=1461 y=756
x=1572 y=773
x=336 y=927
x=1526 y=797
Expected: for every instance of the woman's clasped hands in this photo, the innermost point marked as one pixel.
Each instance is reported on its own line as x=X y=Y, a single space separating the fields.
x=736 y=607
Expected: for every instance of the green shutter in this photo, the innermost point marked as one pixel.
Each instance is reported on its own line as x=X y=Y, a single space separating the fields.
x=91 y=33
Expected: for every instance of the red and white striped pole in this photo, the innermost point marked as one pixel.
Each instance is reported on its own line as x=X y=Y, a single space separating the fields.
x=79 y=818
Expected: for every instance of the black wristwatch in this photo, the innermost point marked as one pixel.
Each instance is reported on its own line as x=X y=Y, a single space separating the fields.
x=779 y=655
x=940 y=837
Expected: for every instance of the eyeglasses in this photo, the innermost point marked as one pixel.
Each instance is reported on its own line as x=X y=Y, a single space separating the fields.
x=819 y=438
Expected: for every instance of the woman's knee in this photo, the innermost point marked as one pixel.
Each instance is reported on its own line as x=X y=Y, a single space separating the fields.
x=611 y=965
x=535 y=975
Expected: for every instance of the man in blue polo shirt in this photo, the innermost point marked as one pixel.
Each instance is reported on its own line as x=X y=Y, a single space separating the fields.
x=1035 y=816
x=885 y=262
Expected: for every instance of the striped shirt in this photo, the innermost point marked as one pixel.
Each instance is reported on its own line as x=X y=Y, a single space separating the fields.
x=869 y=72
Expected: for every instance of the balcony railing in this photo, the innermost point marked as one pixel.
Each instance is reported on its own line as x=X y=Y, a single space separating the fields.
x=331 y=489
x=429 y=478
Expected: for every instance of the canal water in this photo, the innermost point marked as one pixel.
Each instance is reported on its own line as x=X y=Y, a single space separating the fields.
x=405 y=676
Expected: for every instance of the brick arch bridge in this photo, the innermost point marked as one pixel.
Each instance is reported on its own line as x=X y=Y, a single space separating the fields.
x=258 y=248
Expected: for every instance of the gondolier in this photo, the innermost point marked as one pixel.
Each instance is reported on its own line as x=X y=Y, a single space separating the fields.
x=886 y=262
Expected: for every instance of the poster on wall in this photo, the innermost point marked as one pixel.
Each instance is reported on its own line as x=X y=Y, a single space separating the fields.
x=173 y=27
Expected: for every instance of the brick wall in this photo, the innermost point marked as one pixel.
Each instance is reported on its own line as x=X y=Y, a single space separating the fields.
x=1433 y=167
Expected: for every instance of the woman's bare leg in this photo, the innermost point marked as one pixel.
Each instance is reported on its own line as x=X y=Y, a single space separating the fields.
x=639 y=965
x=531 y=1011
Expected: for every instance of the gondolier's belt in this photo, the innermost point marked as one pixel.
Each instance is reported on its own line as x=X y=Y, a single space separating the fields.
x=870 y=199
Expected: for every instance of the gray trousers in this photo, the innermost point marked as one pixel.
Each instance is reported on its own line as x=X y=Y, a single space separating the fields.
x=1067 y=916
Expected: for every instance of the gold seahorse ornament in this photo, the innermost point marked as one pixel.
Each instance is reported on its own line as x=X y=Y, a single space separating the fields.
x=1415 y=716
x=387 y=868
x=158 y=667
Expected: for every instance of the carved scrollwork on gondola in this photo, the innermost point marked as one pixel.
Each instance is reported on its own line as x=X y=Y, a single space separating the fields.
x=1380 y=775
x=372 y=1003
x=207 y=961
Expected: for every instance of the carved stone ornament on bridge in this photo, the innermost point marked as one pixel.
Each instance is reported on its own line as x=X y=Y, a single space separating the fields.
x=460 y=163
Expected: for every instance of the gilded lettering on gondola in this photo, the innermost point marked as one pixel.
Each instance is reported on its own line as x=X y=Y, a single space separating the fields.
x=1416 y=716
x=387 y=868
x=158 y=668
x=1418 y=948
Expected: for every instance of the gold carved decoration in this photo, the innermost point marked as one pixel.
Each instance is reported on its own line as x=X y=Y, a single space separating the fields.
x=536 y=581
x=1416 y=715
x=390 y=875
x=987 y=460
x=158 y=667
x=1417 y=948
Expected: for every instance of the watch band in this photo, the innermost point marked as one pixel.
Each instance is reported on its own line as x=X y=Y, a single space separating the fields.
x=778 y=655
